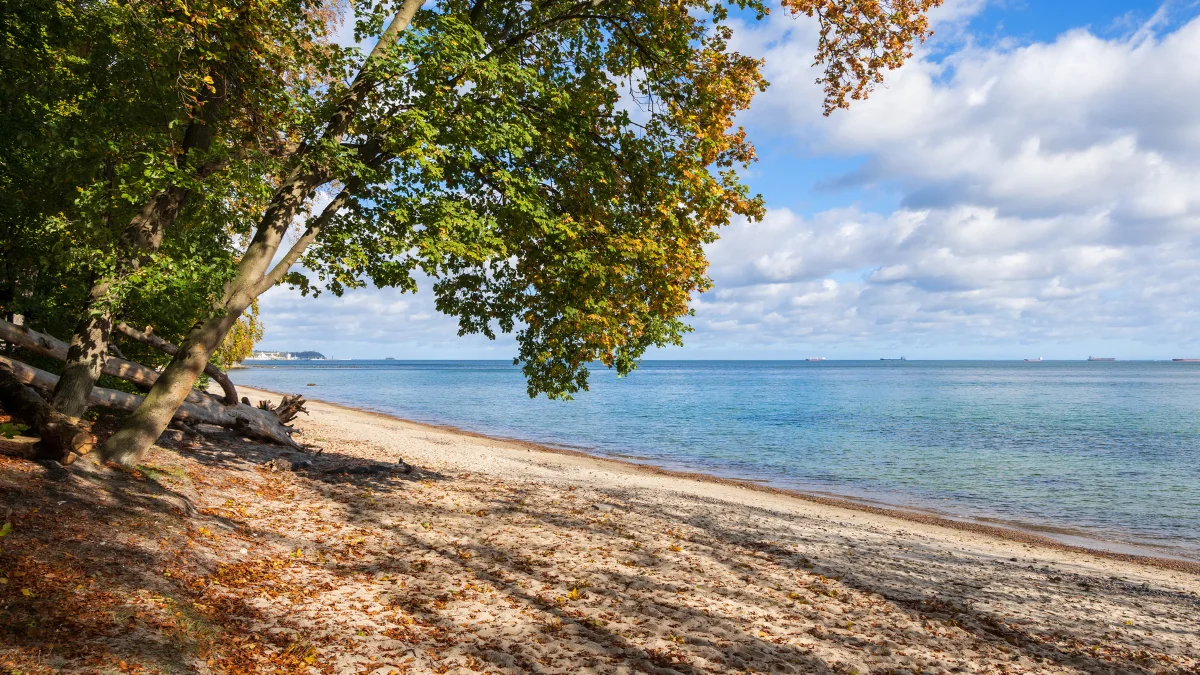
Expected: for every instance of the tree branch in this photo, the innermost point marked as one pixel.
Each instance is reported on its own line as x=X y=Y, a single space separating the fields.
x=297 y=188
x=148 y=338
x=310 y=235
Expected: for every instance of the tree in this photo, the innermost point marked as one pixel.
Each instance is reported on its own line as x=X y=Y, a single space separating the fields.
x=239 y=343
x=491 y=146
x=173 y=111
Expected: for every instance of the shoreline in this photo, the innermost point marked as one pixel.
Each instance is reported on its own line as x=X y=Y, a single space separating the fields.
x=1011 y=532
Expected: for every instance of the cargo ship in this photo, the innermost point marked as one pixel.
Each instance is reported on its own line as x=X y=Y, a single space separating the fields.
x=1037 y=360
x=899 y=359
x=815 y=358
x=1186 y=360
x=1101 y=358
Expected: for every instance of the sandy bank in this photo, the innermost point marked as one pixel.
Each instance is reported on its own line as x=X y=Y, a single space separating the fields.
x=496 y=557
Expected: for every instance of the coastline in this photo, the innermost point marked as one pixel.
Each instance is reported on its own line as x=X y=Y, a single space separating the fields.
x=1023 y=533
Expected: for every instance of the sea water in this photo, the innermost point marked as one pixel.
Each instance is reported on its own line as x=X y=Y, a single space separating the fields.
x=1109 y=451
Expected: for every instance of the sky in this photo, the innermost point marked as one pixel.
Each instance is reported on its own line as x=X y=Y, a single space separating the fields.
x=1028 y=185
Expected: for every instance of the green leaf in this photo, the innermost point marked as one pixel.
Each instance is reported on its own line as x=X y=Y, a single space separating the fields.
x=11 y=430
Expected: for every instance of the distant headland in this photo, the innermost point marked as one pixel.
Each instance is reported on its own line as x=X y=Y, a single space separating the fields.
x=287 y=356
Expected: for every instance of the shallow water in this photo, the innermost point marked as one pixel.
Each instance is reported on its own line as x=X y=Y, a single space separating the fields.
x=1111 y=450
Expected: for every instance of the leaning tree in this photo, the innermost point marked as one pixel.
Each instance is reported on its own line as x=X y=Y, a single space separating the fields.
x=141 y=141
x=556 y=167
x=156 y=129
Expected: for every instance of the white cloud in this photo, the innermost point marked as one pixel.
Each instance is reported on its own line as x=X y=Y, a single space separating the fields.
x=371 y=323
x=1047 y=195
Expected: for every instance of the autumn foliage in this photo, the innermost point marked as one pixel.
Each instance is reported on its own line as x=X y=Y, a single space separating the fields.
x=862 y=39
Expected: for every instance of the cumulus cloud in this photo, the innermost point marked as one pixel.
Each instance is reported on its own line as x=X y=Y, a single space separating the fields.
x=1045 y=196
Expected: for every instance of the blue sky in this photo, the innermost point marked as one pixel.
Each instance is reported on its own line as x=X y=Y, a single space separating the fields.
x=1026 y=186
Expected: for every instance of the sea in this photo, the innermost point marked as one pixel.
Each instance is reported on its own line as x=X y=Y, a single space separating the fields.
x=1101 y=454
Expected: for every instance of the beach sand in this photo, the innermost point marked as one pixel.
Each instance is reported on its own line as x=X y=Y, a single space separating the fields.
x=494 y=556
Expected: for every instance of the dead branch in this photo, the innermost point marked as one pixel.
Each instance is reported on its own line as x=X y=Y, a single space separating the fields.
x=148 y=338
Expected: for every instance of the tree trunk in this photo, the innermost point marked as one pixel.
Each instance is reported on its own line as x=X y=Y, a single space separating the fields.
x=86 y=355
x=61 y=439
x=143 y=234
x=259 y=424
x=149 y=338
x=169 y=391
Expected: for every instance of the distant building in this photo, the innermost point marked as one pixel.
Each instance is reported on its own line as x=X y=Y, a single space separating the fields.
x=287 y=356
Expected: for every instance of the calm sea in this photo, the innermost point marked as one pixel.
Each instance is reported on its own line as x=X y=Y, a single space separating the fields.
x=1108 y=450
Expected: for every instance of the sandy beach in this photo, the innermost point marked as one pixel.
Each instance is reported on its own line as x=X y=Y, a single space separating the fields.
x=493 y=556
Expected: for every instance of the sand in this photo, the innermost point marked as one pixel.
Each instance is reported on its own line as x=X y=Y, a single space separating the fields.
x=492 y=556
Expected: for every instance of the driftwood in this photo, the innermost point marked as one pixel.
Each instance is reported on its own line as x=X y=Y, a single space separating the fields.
x=61 y=437
x=198 y=409
x=281 y=464
x=287 y=410
x=48 y=345
x=148 y=338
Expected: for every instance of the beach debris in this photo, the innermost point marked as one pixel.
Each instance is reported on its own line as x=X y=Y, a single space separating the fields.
x=601 y=506
x=278 y=464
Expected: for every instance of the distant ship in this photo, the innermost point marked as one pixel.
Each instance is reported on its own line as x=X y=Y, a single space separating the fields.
x=815 y=358
x=1037 y=360
x=389 y=358
x=899 y=359
x=1100 y=358
x=1186 y=360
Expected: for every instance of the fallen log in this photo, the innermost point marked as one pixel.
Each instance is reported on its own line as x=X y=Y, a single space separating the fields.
x=60 y=437
x=21 y=447
x=148 y=338
x=368 y=469
x=48 y=345
x=204 y=409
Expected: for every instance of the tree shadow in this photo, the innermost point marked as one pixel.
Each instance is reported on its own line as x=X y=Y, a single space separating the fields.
x=225 y=449
x=940 y=597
